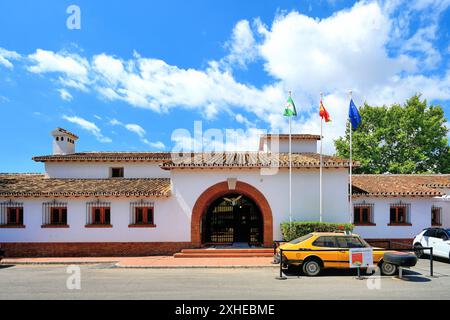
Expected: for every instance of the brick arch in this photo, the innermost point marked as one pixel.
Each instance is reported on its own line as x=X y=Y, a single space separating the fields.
x=221 y=189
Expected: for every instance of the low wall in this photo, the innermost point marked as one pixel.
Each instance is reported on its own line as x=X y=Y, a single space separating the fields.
x=391 y=243
x=92 y=249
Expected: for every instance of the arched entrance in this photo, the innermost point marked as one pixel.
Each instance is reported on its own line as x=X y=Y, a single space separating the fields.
x=232 y=218
x=209 y=198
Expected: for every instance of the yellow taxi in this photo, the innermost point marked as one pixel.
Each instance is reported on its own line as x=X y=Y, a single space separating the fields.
x=335 y=254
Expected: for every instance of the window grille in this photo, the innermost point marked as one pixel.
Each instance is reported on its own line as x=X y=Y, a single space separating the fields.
x=5 y=207
x=363 y=213
x=141 y=204
x=49 y=207
x=90 y=208
x=436 y=216
x=400 y=213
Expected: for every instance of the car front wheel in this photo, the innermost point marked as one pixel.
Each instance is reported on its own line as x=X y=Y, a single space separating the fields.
x=388 y=269
x=311 y=268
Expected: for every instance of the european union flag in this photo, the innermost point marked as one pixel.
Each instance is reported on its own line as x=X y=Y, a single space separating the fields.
x=354 y=116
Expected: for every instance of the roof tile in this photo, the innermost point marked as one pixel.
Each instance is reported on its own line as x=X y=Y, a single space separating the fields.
x=38 y=185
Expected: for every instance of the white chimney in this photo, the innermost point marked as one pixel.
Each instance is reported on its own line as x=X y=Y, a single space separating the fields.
x=63 y=141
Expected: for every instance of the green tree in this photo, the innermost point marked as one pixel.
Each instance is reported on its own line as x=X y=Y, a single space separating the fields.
x=409 y=138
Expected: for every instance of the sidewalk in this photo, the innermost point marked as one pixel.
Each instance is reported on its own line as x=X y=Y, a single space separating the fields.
x=155 y=262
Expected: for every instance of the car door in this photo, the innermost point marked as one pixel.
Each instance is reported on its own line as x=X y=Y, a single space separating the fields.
x=441 y=244
x=427 y=238
x=327 y=247
x=343 y=253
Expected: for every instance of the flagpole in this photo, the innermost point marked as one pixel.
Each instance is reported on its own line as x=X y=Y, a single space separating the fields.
x=320 y=182
x=351 y=168
x=290 y=172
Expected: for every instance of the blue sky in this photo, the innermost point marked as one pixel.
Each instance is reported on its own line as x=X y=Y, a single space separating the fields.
x=138 y=70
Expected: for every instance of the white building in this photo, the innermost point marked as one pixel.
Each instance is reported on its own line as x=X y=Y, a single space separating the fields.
x=141 y=203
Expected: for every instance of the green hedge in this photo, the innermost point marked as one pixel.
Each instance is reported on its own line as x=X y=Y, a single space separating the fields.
x=300 y=228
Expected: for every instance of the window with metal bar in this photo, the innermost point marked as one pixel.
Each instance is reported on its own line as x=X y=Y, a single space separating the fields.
x=399 y=214
x=142 y=214
x=98 y=214
x=11 y=214
x=54 y=214
x=363 y=214
x=436 y=216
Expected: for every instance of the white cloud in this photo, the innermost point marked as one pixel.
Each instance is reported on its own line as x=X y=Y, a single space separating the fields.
x=351 y=49
x=242 y=45
x=215 y=140
x=115 y=122
x=65 y=95
x=136 y=129
x=74 y=68
x=6 y=56
x=156 y=145
x=88 y=126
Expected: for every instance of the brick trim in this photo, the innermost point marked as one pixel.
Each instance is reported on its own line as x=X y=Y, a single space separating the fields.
x=221 y=189
x=91 y=249
x=394 y=242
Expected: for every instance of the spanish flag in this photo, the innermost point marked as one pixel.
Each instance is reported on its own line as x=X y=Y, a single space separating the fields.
x=324 y=113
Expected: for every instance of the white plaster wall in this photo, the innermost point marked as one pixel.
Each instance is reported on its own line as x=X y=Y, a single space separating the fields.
x=83 y=170
x=171 y=224
x=420 y=218
x=297 y=146
x=190 y=184
x=173 y=215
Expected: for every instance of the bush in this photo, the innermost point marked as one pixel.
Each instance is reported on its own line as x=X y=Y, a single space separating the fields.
x=300 y=228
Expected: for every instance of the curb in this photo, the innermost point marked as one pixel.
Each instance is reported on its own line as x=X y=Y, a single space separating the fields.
x=193 y=267
x=116 y=265
x=8 y=263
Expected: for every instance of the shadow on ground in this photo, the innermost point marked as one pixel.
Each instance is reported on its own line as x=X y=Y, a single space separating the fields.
x=408 y=275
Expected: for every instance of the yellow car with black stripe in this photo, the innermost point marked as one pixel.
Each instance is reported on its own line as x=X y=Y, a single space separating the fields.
x=334 y=252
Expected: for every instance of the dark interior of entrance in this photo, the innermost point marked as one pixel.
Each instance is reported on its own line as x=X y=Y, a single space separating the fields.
x=233 y=218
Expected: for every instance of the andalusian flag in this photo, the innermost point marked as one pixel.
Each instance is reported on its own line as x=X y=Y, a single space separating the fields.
x=324 y=113
x=290 y=108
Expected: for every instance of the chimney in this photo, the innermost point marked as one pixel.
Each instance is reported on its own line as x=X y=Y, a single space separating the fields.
x=63 y=141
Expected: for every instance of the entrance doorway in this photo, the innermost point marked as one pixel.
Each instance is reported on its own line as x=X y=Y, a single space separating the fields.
x=233 y=218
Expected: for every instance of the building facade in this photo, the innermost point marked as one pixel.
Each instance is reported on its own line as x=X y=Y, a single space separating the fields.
x=143 y=203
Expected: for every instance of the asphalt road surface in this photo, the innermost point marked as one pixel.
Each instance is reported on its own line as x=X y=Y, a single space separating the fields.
x=103 y=282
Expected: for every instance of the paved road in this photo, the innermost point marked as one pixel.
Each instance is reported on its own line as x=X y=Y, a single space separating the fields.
x=102 y=282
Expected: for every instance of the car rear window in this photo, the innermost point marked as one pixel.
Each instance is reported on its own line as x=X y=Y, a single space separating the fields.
x=328 y=242
x=301 y=239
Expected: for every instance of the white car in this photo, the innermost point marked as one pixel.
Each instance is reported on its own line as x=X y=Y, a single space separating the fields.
x=436 y=238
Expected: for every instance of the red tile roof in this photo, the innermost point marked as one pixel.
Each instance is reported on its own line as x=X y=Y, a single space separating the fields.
x=399 y=184
x=255 y=160
x=38 y=185
x=106 y=156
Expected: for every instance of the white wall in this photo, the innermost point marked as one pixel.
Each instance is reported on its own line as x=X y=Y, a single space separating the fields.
x=101 y=170
x=173 y=215
x=297 y=146
x=171 y=224
x=190 y=184
x=420 y=218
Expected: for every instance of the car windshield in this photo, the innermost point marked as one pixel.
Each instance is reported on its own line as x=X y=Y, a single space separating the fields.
x=448 y=232
x=301 y=239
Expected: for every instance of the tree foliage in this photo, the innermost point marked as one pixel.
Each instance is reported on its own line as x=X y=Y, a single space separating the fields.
x=409 y=138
